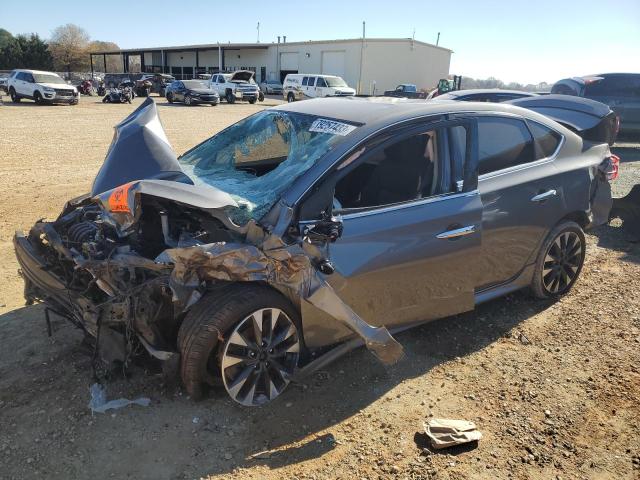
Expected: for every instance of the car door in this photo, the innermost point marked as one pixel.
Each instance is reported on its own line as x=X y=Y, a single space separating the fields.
x=520 y=193
x=311 y=87
x=179 y=91
x=411 y=234
x=29 y=85
x=321 y=87
x=21 y=83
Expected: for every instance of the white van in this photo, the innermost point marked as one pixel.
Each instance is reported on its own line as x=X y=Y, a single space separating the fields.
x=298 y=86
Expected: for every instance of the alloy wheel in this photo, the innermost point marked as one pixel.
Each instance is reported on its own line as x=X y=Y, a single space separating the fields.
x=260 y=357
x=562 y=262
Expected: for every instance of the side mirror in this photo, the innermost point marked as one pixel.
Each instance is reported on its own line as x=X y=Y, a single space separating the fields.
x=327 y=229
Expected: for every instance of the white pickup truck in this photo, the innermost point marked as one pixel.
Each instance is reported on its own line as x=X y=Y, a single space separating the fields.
x=235 y=86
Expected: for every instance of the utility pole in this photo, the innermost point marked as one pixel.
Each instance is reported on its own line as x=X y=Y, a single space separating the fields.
x=438 y=39
x=359 y=89
x=258 y=28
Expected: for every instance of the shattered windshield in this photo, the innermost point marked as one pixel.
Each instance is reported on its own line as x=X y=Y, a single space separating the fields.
x=256 y=159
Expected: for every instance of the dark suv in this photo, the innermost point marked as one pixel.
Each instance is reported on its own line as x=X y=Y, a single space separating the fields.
x=621 y=91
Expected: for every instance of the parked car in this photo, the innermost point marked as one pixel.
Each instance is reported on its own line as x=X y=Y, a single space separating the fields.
x=3 y=83
x=191 y=92
x=238 y=85
x=308 y=229
x=405 y=90
x=621 y=91
x=494 y=95
x=302 y=86
x=41 y=87
x=271 y=87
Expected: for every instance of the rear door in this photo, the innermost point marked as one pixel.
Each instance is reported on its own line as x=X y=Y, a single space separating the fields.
x=521 y=195
x=412 y=226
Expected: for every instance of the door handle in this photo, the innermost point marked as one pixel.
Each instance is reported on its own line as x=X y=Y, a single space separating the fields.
x=541 y=197
x=457 y=232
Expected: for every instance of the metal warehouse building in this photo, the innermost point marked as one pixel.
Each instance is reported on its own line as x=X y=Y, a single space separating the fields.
x=370 y=65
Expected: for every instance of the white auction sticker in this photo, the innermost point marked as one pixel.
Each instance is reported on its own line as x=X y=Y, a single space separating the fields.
x=322 y=125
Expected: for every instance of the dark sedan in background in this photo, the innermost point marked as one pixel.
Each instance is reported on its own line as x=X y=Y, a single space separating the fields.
x=191 y=92
x=621 y=91
x=485 y=95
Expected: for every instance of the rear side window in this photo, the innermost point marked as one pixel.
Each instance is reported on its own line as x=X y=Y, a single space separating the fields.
x=503 y=143
x=546 y=140
x=305 y=80
x=312 y=81
x=618 y=86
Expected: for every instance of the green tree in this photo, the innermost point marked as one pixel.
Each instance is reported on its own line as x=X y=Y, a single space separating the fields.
x=5 y=38
x=11 y=55
x=35 y=52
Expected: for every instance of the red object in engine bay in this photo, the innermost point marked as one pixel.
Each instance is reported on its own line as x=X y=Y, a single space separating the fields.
x=119 y=199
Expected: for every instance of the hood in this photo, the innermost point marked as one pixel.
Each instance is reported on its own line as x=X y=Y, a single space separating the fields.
x=59 y=86
x=140 y=150
x=242 y=76
x=203 y=91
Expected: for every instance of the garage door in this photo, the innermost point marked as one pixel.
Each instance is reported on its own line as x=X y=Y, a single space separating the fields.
x=333 y=63
x=289 y=61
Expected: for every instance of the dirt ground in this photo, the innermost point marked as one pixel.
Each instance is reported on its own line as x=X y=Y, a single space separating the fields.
x=554 y=388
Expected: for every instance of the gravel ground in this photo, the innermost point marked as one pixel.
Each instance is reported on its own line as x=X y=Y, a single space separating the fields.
x=553 y=387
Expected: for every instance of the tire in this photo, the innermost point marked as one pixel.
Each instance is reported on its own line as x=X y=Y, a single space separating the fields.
x=106 y=99
x=170 y=97
x=206 y=335
x=14 y=96
x=291 y=97
x=559 y=261
x=253 y=101
x=230 y=98
x=37 y=97
x=187 y=100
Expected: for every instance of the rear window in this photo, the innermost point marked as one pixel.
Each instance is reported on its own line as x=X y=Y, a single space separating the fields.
x=546 y=140
x=563 y=89
x=503 y=143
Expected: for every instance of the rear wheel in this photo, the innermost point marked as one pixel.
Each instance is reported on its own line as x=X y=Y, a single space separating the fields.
x=244 y=336
x=559 y=261
x=187 y=100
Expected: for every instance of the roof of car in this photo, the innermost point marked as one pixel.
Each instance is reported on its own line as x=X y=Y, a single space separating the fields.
x=34 y=71
x=387 y=110
x=482 y=91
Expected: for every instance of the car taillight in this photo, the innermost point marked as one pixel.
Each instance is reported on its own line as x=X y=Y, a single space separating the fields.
x=610 y=167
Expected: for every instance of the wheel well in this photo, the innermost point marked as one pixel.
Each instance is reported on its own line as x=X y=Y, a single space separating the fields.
x=579 y=217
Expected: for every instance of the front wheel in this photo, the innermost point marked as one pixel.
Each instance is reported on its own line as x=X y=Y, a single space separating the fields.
x=252 y=101
x=231 y=98
x=559 y=261
x=170 y=97
x=291 y=98
x=37 y=97
x=14 y=96
x=245 y=336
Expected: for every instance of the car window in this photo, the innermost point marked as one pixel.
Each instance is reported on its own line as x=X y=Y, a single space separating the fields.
x=321 y=83
x=562 y=89
x=546 y=140
x=312 y=81
x=214 y=79
x=414 y=167
x=503 y=143
x=305 y=80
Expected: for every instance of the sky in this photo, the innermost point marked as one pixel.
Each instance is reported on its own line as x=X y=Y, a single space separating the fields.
x=525 y=42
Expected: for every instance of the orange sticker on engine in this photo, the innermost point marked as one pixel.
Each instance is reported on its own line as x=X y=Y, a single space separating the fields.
x=119 y=199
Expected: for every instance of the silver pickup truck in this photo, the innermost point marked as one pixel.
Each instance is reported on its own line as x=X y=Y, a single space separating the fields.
x=234 y=86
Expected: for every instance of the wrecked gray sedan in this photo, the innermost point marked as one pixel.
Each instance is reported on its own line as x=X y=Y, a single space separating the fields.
x=308 y=229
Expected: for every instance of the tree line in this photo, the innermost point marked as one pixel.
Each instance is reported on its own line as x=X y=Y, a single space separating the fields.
x=67 y=50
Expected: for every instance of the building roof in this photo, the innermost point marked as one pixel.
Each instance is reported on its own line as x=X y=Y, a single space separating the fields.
x=238 y=46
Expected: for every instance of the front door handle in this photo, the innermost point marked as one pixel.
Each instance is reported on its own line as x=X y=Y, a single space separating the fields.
x=541 y=197
x=456 y=232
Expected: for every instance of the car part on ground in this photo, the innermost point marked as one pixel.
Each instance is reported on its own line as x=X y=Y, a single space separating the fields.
x=259 y=253
x=627 y=209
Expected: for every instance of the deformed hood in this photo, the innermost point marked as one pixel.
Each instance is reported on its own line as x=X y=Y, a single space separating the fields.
x=140 y=150
x=242 y=75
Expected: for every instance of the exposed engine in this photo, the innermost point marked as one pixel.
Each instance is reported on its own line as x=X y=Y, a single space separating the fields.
x=114 y=277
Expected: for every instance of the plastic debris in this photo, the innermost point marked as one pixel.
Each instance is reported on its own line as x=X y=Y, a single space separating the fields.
x=444 y=432
x=99 y=403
